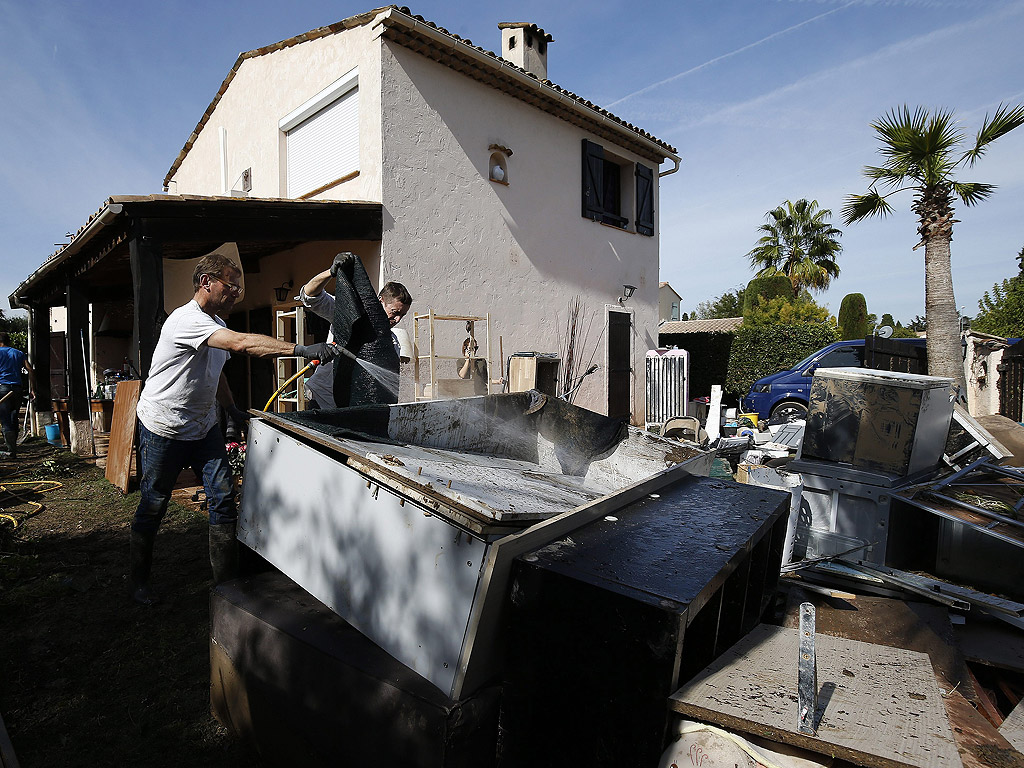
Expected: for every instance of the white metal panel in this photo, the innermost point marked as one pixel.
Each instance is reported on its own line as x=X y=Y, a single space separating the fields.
x=325 y=146
x=404 y=578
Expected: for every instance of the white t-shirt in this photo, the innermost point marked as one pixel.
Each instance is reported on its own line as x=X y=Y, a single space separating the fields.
x=179 y=398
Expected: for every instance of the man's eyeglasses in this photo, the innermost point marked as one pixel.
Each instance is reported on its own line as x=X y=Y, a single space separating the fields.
x=235 y=290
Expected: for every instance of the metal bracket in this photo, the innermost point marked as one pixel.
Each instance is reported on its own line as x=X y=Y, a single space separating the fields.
x=807 y=669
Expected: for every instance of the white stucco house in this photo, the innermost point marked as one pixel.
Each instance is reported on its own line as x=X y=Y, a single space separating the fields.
x=463 y=173
x=501 y=192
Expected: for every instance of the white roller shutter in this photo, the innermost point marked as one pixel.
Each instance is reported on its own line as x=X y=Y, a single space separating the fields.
x=325 y=146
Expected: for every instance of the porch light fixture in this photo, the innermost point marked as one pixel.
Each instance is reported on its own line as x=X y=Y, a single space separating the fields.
x=281 y=293
x=627 y=293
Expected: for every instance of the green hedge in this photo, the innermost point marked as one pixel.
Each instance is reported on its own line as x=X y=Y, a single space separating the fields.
x=709 y=357
x=764 y=350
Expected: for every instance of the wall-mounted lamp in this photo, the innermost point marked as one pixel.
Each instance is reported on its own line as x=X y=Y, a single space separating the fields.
x=281 y=293
x=627 y=293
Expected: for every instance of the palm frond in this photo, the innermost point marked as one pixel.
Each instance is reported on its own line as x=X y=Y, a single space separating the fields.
x=860 y=207
x=972 y=193
x=1002 y=122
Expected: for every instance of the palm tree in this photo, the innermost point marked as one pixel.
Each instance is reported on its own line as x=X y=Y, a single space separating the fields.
x=922 y=152
x=798 y=242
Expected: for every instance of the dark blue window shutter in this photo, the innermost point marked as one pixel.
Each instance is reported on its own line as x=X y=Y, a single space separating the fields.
x=644 y=200
x=593 y=180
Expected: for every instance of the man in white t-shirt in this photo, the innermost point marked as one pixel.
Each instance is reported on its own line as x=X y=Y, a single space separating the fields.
x=396 y=301
x=178 y=424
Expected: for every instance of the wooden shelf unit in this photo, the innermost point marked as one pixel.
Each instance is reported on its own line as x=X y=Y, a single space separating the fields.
x=430 y=319
x=290 y=326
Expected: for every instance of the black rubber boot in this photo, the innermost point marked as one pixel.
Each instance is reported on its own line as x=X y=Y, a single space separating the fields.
x=141 y=564
x=12 y=444
x=223 y=552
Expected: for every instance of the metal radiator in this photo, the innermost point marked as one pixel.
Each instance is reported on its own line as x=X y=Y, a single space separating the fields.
x=668 y=373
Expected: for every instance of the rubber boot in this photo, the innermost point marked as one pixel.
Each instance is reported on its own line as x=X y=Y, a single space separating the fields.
x=223 y=552
x=12 y=444
x=141 y=564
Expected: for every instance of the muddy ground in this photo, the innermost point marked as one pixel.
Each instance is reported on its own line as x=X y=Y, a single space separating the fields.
x=87 y=677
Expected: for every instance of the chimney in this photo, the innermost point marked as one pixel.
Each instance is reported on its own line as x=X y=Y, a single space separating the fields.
x=526 y=46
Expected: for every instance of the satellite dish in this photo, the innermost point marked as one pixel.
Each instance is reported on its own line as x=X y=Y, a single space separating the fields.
x=885 y=331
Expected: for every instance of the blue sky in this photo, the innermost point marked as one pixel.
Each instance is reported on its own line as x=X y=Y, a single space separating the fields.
x=765 y=100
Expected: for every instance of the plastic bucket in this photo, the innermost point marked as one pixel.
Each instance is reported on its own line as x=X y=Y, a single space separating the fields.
x=53 y=434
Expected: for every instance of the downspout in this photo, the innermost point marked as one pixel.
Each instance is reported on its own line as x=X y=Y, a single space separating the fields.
x=675 y=160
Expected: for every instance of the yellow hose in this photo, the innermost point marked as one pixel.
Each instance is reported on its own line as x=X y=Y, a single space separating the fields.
x=4 y=488
x=289 y=381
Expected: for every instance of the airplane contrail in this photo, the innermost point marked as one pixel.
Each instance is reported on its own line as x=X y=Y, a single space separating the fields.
x=717 y=59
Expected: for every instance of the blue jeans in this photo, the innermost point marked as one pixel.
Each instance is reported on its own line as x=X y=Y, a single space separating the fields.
x=162 y=461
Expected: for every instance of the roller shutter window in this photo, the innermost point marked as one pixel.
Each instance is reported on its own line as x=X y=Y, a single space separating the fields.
x=644 y=200
x=324 y=147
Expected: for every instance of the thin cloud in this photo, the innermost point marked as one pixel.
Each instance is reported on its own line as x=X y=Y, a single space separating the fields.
x=729 y=55
x=894 y=50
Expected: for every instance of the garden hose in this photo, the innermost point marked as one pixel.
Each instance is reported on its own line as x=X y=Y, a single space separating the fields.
x=5 y=489
x=312 y=364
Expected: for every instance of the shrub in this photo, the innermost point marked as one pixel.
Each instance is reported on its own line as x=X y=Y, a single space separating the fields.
x=853 y=317
x=709 y=357
x=782 y=311
x=768 y=287
x=762 y=350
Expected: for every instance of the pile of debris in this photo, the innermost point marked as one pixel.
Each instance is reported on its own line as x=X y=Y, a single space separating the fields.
x=906 y=534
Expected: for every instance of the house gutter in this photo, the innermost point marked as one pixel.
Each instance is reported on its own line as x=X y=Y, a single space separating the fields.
x=512 y=71
x=106 y=216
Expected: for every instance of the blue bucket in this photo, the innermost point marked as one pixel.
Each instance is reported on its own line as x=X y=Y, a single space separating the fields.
x=53 y=434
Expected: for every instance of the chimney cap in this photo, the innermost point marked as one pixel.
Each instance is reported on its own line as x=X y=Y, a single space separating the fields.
x=527 y=25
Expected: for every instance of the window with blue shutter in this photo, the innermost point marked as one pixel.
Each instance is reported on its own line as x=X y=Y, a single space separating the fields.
x=604 y=198
x=644 y=200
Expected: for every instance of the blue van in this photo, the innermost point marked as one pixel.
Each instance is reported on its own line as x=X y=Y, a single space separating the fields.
x=784 y=395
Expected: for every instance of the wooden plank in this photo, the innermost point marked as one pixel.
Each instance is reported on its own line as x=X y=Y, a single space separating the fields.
x=1012 y=728
x=926 y=628
x=122 y=434
x=878 y=706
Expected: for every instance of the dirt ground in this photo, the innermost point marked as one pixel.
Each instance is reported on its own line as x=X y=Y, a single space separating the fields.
x=87 y=677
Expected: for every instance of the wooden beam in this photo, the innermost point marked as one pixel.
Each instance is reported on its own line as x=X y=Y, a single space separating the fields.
x=39 y=333
x=79 y=404
x=148 y=287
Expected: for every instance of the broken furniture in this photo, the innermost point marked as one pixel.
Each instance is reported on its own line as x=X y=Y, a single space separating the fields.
x=968 y=526
x=438 y=384
x=534 y=370
x=867 y=434
x=433 y=530
x=408 y=516
x=301 y=685
x=605 y=622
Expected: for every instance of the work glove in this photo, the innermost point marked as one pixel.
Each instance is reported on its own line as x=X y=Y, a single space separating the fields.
x=342 y=263
x=238 y=421
x=324 y=352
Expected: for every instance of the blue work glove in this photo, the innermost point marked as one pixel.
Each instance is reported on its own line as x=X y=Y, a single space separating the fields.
x=324 y=352
x=342 y=263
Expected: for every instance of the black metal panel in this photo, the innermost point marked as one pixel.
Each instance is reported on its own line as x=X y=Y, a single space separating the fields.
x=894 y=355
x=79 y=384
x=303 y=687
x=1011 y=382
x=606 y=623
